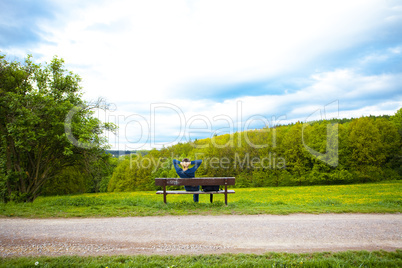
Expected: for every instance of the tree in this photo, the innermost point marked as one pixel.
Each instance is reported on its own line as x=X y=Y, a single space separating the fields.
x=364 y=140
x=296 y=157
x=45 y=126
x=365 y=147
x=397 y=159
x=397 y=120
x=132 y=174
x=389 y=137
x=71 y=180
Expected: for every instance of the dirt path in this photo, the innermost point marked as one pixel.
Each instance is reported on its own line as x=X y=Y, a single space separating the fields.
x=200 y=234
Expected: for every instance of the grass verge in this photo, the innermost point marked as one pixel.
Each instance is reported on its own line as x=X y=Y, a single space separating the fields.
x=324 y=259
x=384 y=197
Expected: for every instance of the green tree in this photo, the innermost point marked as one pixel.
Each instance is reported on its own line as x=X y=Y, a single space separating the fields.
x=70 y=180
x=134 y=173
x=396 y=161
x=296 y=156
x=100 y=169
x=389 y=138
x=365 y=147
x=397 y=120
x=119 y=180
x=45 y=126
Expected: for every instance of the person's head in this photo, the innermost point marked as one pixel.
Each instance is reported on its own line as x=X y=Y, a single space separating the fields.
x=185 y=163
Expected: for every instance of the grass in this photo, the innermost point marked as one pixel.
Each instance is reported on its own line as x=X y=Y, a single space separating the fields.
x=323 y=259
x=384 y=197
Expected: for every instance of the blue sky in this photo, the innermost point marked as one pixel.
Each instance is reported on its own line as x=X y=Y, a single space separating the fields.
x=175 y=70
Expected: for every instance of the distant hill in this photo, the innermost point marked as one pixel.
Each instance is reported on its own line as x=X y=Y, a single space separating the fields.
x=118 y=153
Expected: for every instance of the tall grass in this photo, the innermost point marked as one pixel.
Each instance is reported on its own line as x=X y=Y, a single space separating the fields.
x=385 y=197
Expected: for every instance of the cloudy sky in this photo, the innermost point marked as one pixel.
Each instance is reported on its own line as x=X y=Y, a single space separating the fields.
x=180 y=70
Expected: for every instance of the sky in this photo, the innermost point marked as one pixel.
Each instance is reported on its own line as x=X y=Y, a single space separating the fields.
x=175 y=71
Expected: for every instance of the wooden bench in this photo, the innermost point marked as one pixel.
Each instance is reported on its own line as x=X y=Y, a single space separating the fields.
x=195 y=182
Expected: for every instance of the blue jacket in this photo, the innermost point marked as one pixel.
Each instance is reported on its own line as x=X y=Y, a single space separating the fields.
x=189 y=173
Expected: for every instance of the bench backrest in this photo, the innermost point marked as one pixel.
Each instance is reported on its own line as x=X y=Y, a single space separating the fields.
x=195 y=181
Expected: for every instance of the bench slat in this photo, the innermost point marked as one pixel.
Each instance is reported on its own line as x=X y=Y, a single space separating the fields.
x=195 y=192
x=195 y=181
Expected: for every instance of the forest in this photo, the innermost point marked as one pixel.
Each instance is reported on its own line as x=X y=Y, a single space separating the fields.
x=338 y=151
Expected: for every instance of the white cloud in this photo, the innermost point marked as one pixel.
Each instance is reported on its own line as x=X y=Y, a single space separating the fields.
x=153 y=50
x=355 y=94
x=396 y=50
x=136 y=53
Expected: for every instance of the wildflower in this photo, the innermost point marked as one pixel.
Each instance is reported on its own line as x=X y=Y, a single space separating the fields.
x=36 y=263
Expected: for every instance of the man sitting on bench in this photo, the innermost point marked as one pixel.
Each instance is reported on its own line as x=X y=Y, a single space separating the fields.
x=186 y=172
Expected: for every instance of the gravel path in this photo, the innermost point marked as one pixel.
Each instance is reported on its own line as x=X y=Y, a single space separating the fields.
x=200 y=234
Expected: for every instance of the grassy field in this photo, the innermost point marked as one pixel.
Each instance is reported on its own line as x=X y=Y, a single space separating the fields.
x=384 y=197
x=326 y=259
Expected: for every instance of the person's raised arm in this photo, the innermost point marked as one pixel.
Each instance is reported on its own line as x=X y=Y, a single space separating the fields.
x=176 y=164
x=196 y=163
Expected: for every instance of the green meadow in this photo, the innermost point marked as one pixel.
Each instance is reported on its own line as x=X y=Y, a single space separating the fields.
x=384 y=197
x=322 y=260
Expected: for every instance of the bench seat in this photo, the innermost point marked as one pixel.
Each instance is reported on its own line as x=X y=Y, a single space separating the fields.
x=196 y=192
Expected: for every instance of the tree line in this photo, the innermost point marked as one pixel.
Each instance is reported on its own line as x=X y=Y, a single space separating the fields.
x=338 y=151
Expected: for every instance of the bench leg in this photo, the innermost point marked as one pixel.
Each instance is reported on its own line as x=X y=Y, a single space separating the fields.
x=211 y=197
x=164 y=194
x=226 y=195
